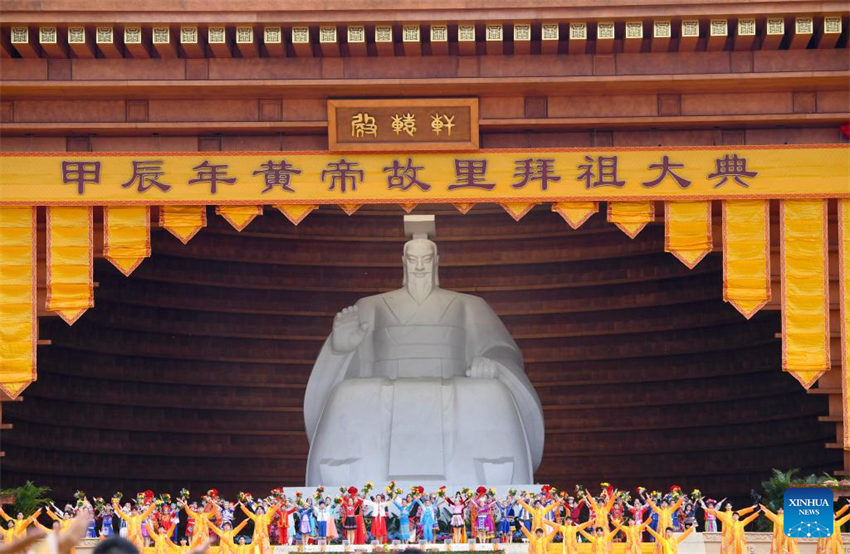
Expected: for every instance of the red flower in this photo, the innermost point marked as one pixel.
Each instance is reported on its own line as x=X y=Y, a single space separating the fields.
x=352 y=490
x=480 y=491
x=845 y=130
x=213 y=493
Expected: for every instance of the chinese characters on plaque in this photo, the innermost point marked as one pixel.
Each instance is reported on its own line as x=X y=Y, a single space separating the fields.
x=403 y=125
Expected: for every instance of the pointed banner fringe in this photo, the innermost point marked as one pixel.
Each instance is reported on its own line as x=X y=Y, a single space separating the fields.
x=183 y=222
x=575 y=213
x=18 y=292
x=349 y=209
x=296 y=213
x=239 y=216
x=518 y=210
x=687 y=231
x=70 y=285
x=126 y=236
x=464 y=207
x=408 y=207
x=805 y=289
x=631 y=217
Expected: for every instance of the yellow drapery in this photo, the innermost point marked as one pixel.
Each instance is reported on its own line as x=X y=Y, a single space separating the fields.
x=805 y=286
x=126 y=236
x=18 y=322
x=687 y=231
x=631 y=217
x=844 y=299
x=746 y=255
x=575 y=213
x=239 y=216
x=69 y=262
x=183 y=222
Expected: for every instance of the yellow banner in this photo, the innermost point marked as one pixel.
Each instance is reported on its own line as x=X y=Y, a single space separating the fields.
x=746 y=255
x=687 y=231
x=18 y=325
x=500 y=176
x=805 y=286
x=631 y=217
x=575 y=213
x=126 y=237
x=239 y=216
x=844 y=300
x=69 y=262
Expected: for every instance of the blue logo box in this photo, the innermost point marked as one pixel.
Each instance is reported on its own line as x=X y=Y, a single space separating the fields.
x=808 y=512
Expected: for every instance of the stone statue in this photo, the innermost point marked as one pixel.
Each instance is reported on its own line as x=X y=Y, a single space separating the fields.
x=421 y=384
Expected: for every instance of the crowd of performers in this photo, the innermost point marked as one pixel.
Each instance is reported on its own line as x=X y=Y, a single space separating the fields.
x=251 y=525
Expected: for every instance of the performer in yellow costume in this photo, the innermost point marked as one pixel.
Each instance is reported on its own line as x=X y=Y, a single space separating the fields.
x=162 y=544
x=228 y=536
x=601 y=511
x=201 y=531
x=726 y=518
x=260 y=540
x=538 y=542
x=569 y=533
x=780 y=543
x=20 y=523
x=835 y=544
x=738 y=539
x=538 y=513
x=134 y=524
x=600 y=542
x=634 y=536
x=665 y=512
x=670 y=542
x=64 y=522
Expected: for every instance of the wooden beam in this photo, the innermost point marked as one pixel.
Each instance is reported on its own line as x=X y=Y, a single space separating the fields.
x=718 y=34
x=804 y=29
x=191 y=42
x=163 y=42
x=299 y=36
x=107 y=41
x=52 y=42
x=383 y=37
x=522 y=38
x=328 y=41
x=438 y=39
x=218 y=41
x=633 y=36
x=411 y=39
x=137 y=41
x=605 y=37
x=273 y=41
x=745 y=33
x=832 y=27
x=494 y=38
x=466 y=39
x=356 y=40
x=80 y=42
x=23 y=42
x=774 y=32
x=246 y=41
x=662 y=34
x=550 y=35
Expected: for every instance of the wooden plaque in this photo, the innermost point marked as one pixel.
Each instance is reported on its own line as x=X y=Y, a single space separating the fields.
x=403 y=124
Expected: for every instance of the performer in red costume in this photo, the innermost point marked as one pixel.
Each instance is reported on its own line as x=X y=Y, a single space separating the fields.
x=352 y=517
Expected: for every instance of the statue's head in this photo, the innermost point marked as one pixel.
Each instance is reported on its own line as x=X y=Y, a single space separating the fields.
x=420 y=268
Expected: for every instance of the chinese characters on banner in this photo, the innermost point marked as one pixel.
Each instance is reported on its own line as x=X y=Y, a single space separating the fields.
x=403 y=125
x=483 y=176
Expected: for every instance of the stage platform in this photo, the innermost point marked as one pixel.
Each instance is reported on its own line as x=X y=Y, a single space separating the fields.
x=697 y=543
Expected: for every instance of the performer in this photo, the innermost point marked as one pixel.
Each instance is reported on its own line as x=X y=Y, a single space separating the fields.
x=134 y=521
x=458 y=506
x=429 y=518
x=262 y=520
x=710 y=520
x=283 y=513
x=634 y=536
x=538 y=542
x=727 y=517
x=738 y=544
x=201 y=529
x=537 y=512
x=669 y=542
x=323 y=515
x=162 y=544
x=506 y=519
x=305 y=522
x=569 y=534
x=485 y=528
x=600 y=542
x=332 y=532
x=379 y=517
x=226 y=534
x=20 y=522
x=404 y=510
x=835 y=544
x=351 y=506
x=600 y=510
x=780 y=542
x=8 y=533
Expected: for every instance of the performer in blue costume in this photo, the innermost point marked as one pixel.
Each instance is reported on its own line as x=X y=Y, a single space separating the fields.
x=403 y=518
x=428 y=519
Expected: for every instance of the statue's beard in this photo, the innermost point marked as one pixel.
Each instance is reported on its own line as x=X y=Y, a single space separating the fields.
x=420 y=287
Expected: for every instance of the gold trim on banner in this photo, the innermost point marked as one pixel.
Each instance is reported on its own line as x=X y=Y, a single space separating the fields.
x=844 y=310
x=349 y=209
x=805 y=289
x=687 y=231
x=70 y=246
x=184 y=222
x=631 y=217
x=409 y=207
x=18 y=290
x=575 y=213
x=296 y=213
x=464 y=207
x=746 y=255
x=126 y=236
x=239 y=216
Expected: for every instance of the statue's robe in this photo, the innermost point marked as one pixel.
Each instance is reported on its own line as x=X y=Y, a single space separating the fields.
x=401 y=407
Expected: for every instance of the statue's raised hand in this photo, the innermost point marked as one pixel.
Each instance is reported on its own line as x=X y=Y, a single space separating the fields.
x=348 y=331
x=483 y=368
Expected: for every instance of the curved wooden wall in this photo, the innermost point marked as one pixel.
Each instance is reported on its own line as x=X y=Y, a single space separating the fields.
x=192 y=371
